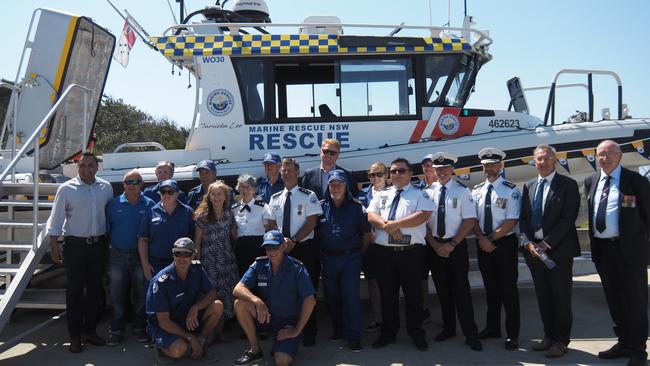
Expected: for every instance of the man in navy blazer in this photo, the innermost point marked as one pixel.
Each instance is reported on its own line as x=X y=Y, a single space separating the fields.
x=315 y=179
x=618 y=200
x=550 y=205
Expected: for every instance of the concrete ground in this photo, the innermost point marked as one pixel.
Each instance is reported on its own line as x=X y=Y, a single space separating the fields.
x=591 y=333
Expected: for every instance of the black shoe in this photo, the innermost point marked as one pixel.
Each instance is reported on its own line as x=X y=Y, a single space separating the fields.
x=444 y=335
x=308 y=341
x=511 y=344
x=373 y=327
x=474 y=344
x=382 y=342
x=355 y=345
x=94 y=339
x=542 y=345
x=488 y=333
x=114 y=339
x=421 y=344
x=638 y=359
x=141 y=336
x=75 y=346
x=336 y=338
x=249 y=357
x=617 y=351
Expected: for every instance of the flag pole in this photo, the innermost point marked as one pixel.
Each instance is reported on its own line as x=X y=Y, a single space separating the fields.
x=137 y=28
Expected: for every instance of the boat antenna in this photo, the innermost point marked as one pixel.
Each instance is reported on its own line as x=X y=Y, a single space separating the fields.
x=181 y=8
x=430 y=17
x=449 y=13
x=172 y=11
x=465 y=2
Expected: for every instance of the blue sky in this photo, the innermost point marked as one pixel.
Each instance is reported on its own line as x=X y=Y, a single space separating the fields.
x=532 y=40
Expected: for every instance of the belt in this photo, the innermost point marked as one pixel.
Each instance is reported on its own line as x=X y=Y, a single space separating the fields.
x=399 y=248
x=125 y=251
x=340 y=252
x=442 y=240
x=613 y=240
x=87 y=240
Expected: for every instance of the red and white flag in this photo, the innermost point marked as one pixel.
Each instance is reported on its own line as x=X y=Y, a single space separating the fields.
x=125 y=44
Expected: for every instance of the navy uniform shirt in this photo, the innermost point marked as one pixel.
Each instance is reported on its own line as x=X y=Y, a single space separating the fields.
x=163 y=229
x=283 y=292
x=168 y=293
x=342 y=228
x=123 y=220
x=195 y=196
x=265 y=189
x=153 y=194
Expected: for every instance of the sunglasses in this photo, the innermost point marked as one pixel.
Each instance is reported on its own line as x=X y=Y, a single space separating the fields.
x=378 y=175
x=330 y=152
x=167 y=191
x=132 y=182
x=399 y=171
x=182 y=254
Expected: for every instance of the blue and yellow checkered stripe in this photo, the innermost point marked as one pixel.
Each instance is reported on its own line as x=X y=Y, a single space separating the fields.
x=285 y=44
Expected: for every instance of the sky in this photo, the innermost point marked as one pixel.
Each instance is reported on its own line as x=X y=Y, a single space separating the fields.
x=532 y=40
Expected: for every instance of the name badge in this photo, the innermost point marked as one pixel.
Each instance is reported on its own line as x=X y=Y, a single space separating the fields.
x=262 y=284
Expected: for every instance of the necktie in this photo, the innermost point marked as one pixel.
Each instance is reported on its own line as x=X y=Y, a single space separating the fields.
x=537 y=206
x=487 y=216
x=602 y=207
x=246 y=207
x=441 y=213
x=394 y=204
x=286 y=216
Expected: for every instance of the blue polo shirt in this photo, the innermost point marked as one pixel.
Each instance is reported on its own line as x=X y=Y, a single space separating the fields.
x=163 y=229
x=283 y=292
x=195 y=196
x=153 y=194
x=365 y=195
x=342 y=228
x=168 y=293
x=123 y=220
x=265 y=189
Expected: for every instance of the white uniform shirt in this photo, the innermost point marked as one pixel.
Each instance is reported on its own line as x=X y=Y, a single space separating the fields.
x=411 y=200
x=459 y=205
x=611 y=212
x=304 y=203
x=505 y=202
x=249 y=223
x=539 y=234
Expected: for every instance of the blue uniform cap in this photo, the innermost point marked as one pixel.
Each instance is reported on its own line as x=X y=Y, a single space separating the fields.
x=183 y=245
x=272 y=158
x=337 y=175
x=169 y=183
x=207 y=164
x=273 y=238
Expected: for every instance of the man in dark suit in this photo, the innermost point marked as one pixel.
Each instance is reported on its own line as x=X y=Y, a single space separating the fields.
x=550 y=205
x=619 y=217
x=315 y=179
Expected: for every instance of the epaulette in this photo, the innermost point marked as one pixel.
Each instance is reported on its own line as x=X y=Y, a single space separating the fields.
x=479 y=185
x=277 y=194
x=163 y=277
x=322 y=201
x=235 y=205
x=356 y=200
x=262 y=257
x=305 y=190
x=297 y=261
x=462 y=184
x=196 y=261
x=259 y=202
x=417 y=185
x=509 y=184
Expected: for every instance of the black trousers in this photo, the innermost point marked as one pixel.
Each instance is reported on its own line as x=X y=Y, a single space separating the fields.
x=84 y=267
x=308 y=252
x=404 y=270
x=452 y=285
x=247 y=249
x=499 y=271
x=626 y=291
x=553 y=290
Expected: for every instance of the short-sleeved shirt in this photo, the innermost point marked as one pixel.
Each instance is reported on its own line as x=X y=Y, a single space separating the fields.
x=303 y=204
x=459 y=205
x=411 y=201
x=123 y=220
x=265 y=189
x=365 y=195
x=283 y=292
x=168 y=293
x=250 y=222
x=153 y=194
x=163 y=229
x=505 y=201
x=342 y=228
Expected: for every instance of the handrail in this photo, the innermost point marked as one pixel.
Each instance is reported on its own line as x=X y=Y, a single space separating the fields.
x=139 y=144
x=572 y=85
x=550 y=105
x=482 y=35
x=14 y=111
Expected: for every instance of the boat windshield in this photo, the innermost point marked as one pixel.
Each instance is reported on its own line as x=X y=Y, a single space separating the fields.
x=449 y=79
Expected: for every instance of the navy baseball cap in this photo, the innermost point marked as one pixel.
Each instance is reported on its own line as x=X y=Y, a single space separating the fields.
x=183 y=245
x=169 y=183
x=272 y=158
x=207 y=164
x=337 y=174
x=272 y=238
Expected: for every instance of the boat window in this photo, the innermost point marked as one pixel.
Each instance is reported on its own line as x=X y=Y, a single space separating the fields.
x=448 y=79
x=251 y=85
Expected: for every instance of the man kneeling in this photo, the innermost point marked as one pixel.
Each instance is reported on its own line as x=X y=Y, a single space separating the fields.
x=275 y=293
x=182 y=307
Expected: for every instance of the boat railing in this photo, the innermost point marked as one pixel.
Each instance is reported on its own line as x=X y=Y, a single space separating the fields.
x=550 y=105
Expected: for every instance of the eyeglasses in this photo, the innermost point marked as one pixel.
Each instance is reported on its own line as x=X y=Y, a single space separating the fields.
x=167 y=191
x=182 y=254
x=378 y=175
x=399 y=171
x=132 y=182
x=330 y=152
x=607 y=154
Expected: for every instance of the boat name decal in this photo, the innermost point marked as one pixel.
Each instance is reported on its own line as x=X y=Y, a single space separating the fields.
x=303 y=136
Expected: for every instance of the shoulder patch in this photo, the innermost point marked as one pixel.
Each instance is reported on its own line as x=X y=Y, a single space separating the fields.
x=154 y=287
x=262 y=257
x=425 y=194
x=515 y=194
x=235 y=205
x=163 y=277
x=479 y=185
x=509 y=184
x=259 y=202
x=304 y=190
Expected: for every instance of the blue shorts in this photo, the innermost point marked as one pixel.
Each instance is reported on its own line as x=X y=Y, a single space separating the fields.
x=288 y=346
x=162 y=339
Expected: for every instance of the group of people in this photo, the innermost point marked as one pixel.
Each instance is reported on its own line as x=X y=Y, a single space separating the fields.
x=261 y=257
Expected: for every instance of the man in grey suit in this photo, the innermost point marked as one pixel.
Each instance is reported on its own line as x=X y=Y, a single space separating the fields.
x=550 y=205
x=619 y=217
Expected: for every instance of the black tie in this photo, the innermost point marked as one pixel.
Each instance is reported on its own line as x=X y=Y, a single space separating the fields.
x=487 y=216
x=246 y=207
x=602 y=207
x=286 y=218
x=441 y=212
x=394 y=204
x=537 y=206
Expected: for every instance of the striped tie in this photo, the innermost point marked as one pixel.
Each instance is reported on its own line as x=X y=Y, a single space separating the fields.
x=602 y=207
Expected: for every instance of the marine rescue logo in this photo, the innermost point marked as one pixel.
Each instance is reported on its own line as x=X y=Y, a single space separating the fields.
x=220 y=102
x=449 y=124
